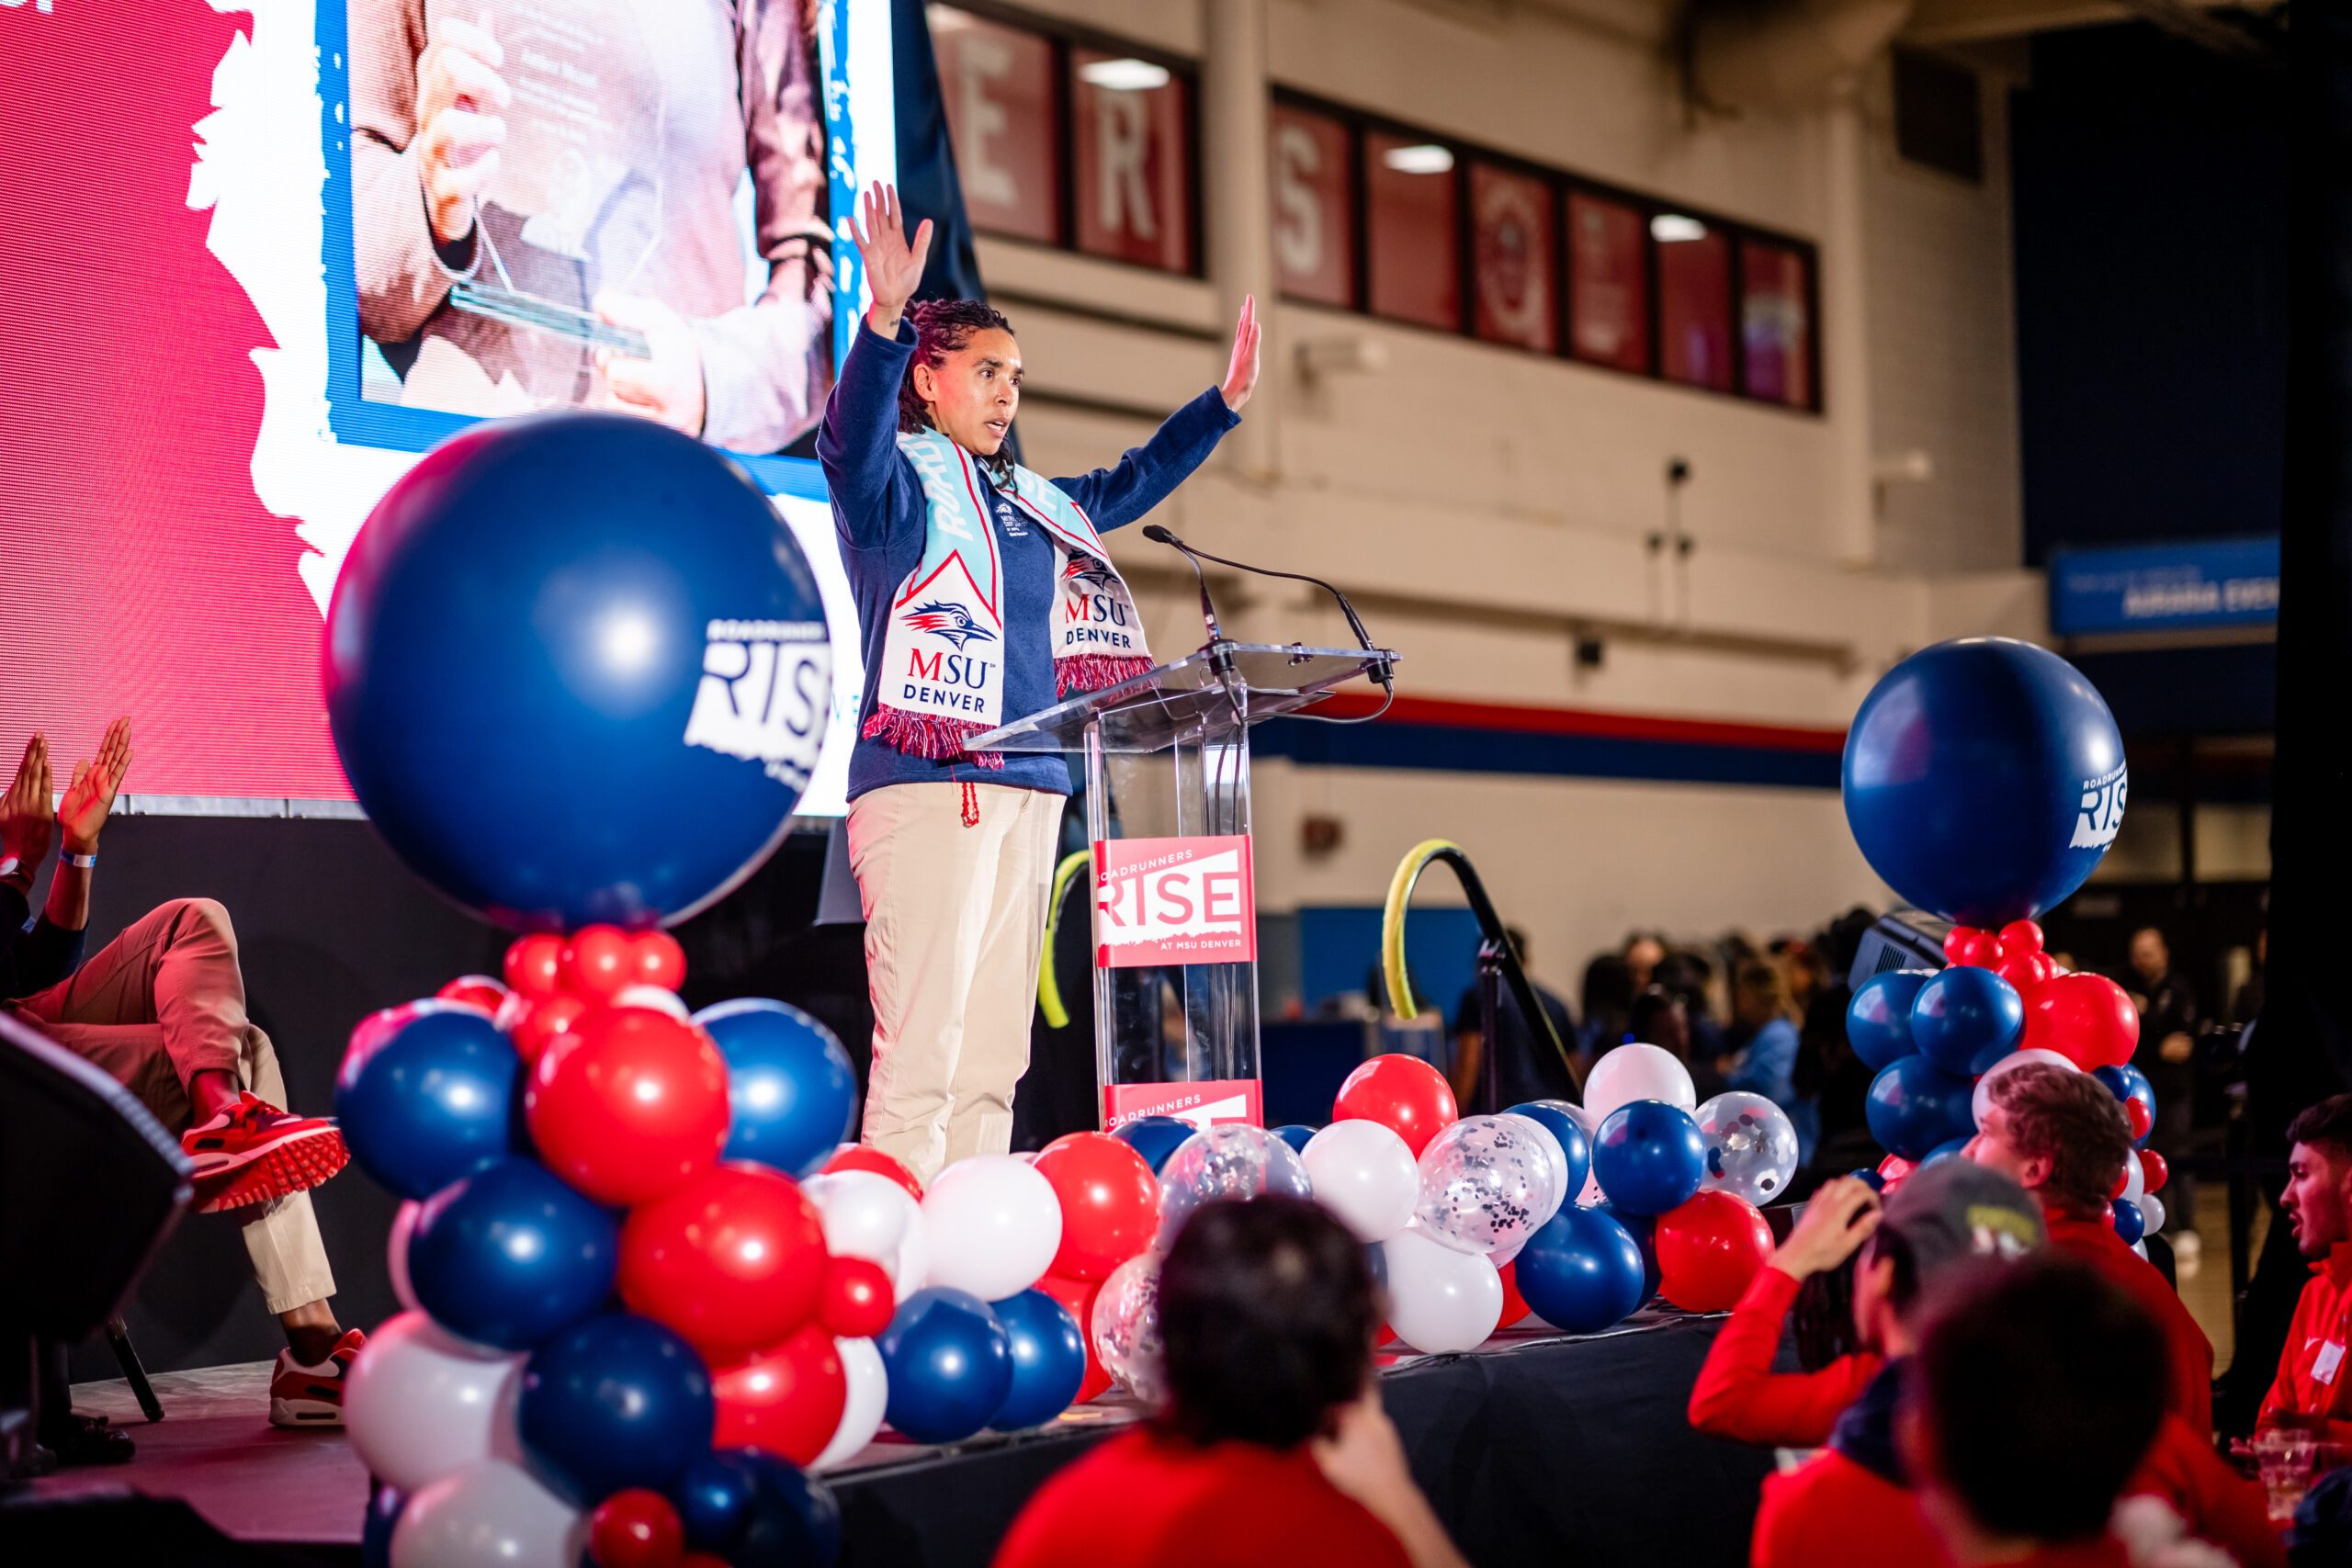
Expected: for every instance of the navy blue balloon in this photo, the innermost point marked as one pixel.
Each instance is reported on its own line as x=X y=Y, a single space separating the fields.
x=1914 y=1105
x=1643 y=1228
x=424 y=1101
x=1983 y=779
x=2128 y=1082
x=950 y=1365
x=790 y=1088
x=510 y=1256
x=515 y=672
x=385 y=1506
x=714 y=1496
x=1553 y=1116
x=1878 y=1020
x=1581 y=1271
x=1949 y=1150
x=1376 y=1260
x=1648 y=1156
x=1048 y=1359
x=1295 y=1134
x=1155 y=1138
x=794 y=1521
x=613 y=1403
x=1869 y=1179
x=1966 y=1019
x=2131 y=1223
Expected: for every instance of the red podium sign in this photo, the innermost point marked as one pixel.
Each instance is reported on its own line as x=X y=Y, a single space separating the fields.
x=1160 y=901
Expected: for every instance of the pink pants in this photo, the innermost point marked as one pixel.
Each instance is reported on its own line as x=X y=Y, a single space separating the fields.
x=157 y=1005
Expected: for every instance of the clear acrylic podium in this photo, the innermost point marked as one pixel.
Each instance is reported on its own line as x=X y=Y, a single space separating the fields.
x=1168 y=813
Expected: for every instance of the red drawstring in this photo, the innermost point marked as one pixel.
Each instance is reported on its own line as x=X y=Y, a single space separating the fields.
x=971 y=805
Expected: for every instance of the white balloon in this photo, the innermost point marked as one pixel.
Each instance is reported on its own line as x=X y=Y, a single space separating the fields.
x=421 y=1403
x=1126 y=1328
x=2152 y=1210
x=655 y=998
x=1440 y=1300
x=1560 y=1193
x=994 y=1226
x=396 y=1254
x=490 y=1515
x=2136 y=1180
x=1364 y=1173
x=1637 y=1071
x=1487 y=1181
x=1751 y=1146
x=1982 y=1098
x=865 y=1215
x=869 y=1392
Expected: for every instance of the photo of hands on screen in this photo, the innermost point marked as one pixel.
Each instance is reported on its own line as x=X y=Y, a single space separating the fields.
x=613 y=204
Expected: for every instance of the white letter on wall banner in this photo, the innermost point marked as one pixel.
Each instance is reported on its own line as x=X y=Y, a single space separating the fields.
x=1120 y=131
x=980 y=62
x=1298 y=223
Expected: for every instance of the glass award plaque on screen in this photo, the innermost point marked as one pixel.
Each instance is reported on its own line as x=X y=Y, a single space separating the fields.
x=576 y=208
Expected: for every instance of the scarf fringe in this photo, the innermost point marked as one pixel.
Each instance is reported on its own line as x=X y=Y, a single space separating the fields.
x=933 y=736
x=1093 y=672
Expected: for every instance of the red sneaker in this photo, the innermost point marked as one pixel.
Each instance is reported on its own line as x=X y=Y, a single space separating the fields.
x=254 y=1152
x=312 y=1396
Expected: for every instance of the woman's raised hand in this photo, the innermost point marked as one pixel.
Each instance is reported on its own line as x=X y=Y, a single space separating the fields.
x=893 y=263
x=1241 y=372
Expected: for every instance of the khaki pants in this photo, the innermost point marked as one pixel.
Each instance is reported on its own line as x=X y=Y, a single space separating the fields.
x=954 y=912
x=159 y=1004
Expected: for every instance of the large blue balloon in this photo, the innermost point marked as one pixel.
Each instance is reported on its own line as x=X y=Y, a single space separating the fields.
x=1295 y=1134
x=1155 y=1138
x=1983 y=779
x=426 y=1094
x=1914 y=1105
x=1581 y=1271
x=2130 y=1220
x=1643 y=1228
x=757 y=1511
x=1048 y=1359
x=2128 y=1082
x=1878 y=1020
x=613 y=1403
x=790 y=1088
x=1553 y=1116
x=1648 y=1156
x=1965 y=1019
x=576 y=670
x=949 y=1363
x=510 y=1256
x=713 y=1495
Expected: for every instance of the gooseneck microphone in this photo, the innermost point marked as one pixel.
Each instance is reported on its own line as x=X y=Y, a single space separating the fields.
x=1220 y=656
x=1382 y=670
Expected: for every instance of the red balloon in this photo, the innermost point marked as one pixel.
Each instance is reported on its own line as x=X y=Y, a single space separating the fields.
x=2154 y=1171
x=787 y=1401
x=2084 y=1018
x=2122 y=1177
x=538 y=1023
x=656 y=959
x=1894 y=1167
x=1968 y=948
x=734 y=1261
x=474 y=991
x=857 y=1301
x=637 y=1528
x=2139 y=1118
x=1402 y=1093
x=535 y=964
x=629 y=1104
x=1515 y=1307
x=1076 y=1297
x=599 y=960
x=1109 y=1203
x=2021 y=939
x=2023 y=971
x=1709 y=1249
x=858 y=1156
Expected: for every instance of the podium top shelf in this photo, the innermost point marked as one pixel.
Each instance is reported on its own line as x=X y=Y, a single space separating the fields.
x=1189 y=698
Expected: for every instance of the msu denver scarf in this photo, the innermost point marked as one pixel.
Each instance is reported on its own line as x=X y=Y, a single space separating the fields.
x=942 y=654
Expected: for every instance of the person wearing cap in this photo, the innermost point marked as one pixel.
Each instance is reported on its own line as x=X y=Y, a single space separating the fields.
x=2059 y=1134
x=1851 y=1503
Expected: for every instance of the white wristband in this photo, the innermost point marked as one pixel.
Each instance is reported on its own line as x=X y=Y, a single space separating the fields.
x=83 y=861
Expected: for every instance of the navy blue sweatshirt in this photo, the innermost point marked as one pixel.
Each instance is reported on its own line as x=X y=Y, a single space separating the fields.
x=34 y=955
x=881 y=518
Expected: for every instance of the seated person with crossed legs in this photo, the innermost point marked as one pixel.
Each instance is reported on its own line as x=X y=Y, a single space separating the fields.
x=161 y=1009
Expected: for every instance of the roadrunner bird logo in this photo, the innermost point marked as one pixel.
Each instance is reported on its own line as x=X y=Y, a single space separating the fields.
x=1087 y=572
x=951 y=621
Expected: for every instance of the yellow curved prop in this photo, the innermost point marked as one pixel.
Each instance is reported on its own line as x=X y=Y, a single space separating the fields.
x=1392 y=921
x=1049 y=992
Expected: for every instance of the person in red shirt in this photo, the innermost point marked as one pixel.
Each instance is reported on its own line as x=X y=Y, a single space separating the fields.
x=1272 y=1446
x=2313 y=1389
x=2062 y=1137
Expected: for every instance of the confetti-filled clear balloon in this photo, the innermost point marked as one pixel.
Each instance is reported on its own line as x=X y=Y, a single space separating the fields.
x=1125 y=1330
x=1486 y=1182
x=1232 y=1161
x=1751 y=1147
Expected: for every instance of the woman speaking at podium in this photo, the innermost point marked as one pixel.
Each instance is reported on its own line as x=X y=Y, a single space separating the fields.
x=984 y=595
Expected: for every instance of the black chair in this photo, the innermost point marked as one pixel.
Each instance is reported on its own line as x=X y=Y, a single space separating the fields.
x=90 y=1185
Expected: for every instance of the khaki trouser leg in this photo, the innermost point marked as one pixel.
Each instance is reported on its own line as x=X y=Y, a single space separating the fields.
x=945 y=902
